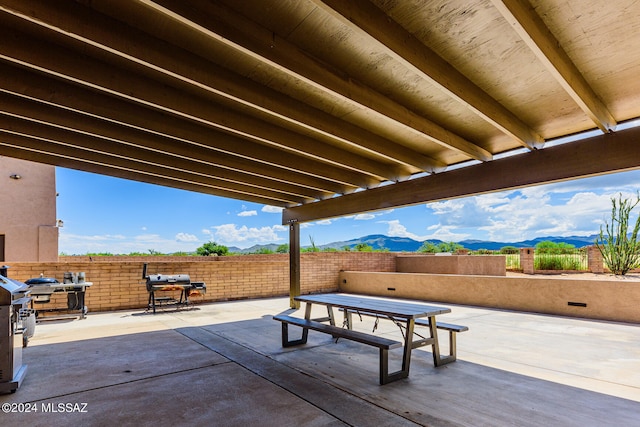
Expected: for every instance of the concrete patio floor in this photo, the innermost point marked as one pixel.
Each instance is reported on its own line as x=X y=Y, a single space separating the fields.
x=223 y=364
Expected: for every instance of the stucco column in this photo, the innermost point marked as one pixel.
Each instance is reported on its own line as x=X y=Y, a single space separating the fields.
x=526 y=260
x=594 y=257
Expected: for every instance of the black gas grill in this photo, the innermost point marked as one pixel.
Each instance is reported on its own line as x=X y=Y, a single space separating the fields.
x=168 y=283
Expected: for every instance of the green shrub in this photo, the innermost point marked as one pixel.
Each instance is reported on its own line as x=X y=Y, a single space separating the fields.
x=507 y=250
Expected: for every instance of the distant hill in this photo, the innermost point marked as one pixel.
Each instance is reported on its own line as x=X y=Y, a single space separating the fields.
x=379 y=241
x=253 y=249
x=405 y=244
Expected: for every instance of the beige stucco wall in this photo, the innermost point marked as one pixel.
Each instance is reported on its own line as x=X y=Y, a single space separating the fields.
x=494 y=265
x=614 y=299
x=28 y=211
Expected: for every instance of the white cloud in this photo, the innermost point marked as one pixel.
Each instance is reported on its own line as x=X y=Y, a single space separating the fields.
x=120 y=244
x=147 y=237
x=398 y=230
x=324 y=222
x=446 y=233
x=555 y=209
x=206 y=231
x=232 y=234
x=248 y=213
x=271 y=209
x=364 y=216
x=91 y=238
x=185 y=237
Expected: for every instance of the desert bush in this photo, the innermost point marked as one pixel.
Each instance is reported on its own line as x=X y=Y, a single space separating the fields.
x=620 y=248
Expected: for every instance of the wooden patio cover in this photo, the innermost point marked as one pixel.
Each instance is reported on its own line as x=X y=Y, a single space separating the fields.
x=325 y=108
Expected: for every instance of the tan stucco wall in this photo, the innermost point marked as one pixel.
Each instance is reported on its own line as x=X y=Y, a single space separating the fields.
x=28 y=211
x=494 y=265
x=616 y=300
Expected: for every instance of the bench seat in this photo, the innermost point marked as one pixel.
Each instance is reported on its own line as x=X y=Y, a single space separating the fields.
x=382 y=343
x=336 y=331
x=442 y=325
x=452 y=328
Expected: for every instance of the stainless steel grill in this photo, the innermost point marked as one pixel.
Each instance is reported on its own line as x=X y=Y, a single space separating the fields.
x=17 y=325
x=171 y=282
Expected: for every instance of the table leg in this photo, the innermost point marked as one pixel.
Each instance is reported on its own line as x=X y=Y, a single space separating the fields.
x=437 y=360
x=307 y=311
x=328 y=318
x=385 y=376
x=408 y=346
x=332 y=319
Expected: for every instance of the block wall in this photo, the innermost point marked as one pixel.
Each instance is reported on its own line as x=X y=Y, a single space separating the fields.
x=118 y=283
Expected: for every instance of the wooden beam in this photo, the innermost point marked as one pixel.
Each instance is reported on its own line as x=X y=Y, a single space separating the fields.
x=294 y=264
x=407 y=49
x=106 y=135
x=136 y=88
x=96 y=149
x=524 y=19
x=224 y=26
x=235 y=153
x=11 y=147
x=136 y=46
x=613 y=152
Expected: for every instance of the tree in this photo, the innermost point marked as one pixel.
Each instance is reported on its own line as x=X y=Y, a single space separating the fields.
x=452 y=247
x=619 y=248
x=283 y=249
x=432 y=248
x=363 y=247
x=212 y=248
x=428 y=247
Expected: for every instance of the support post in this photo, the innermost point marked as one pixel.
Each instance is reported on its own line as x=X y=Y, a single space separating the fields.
x=294 y=264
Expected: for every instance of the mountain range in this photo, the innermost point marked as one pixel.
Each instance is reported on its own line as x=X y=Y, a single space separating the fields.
x=406 y=244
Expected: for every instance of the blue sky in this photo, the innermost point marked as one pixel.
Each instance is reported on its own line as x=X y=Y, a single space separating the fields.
x=103 y=214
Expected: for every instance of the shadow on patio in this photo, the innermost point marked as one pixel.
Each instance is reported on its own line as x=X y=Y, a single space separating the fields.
x=223 y=364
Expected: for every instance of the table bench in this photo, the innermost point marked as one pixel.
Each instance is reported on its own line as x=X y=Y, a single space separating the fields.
x=453 y=329
x=383 y=344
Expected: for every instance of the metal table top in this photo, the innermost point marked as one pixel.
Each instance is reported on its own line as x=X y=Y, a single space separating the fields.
x=387 y=307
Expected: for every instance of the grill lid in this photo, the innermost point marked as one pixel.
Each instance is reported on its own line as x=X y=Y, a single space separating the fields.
x=11 y=289
x=168 y=279
x=41 y=281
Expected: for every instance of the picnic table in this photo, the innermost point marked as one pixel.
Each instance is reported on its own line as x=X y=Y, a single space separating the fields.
x=403 y=313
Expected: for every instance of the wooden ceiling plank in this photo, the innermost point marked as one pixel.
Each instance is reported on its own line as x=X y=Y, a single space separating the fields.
x=530 y=27
x=40 y=137
x=20 y=151
x=42 y=56
x=201 y=159
x=132 y=44
x=559 y=163
x=407 y=49
x=223 y=26
x=94 y=104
